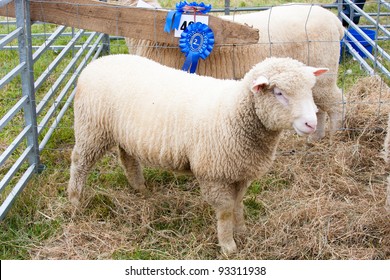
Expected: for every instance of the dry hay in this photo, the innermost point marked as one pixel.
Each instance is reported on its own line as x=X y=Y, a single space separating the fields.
x=319 y=201
x=386 y=157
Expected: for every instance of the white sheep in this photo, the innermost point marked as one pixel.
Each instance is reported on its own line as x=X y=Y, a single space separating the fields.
x=224 y=132
x=308 y=33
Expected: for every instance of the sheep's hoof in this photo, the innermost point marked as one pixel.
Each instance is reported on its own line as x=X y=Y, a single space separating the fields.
x=229 y=248
x=75 y=202
x=144 y=191
x=74 y=198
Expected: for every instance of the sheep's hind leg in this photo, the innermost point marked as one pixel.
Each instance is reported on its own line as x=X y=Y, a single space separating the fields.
x=84 y=156
x=133 y=171
x=221 y=198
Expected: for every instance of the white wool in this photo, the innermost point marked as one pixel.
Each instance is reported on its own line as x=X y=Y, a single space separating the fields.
x=225 y=132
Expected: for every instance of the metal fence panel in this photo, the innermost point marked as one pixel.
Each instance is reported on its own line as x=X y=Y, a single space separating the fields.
x=377 y=26
x=21 y=158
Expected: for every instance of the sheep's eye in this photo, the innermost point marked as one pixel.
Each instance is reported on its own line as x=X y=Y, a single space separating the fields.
x=280 y=96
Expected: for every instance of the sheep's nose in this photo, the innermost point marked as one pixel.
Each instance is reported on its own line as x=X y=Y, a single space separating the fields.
x=311 y=125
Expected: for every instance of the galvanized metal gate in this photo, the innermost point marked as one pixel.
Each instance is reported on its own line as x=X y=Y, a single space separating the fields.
x=359 y=51
x=40 y=119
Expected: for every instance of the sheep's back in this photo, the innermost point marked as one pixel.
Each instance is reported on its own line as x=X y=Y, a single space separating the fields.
x=152 y=111
x=311 y=34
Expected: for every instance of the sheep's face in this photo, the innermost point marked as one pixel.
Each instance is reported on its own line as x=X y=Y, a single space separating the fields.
x=285 y=100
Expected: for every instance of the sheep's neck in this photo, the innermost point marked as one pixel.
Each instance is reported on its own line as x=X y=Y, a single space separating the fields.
x=253 y=135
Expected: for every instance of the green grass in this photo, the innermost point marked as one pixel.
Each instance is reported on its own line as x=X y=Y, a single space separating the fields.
x=34 y=217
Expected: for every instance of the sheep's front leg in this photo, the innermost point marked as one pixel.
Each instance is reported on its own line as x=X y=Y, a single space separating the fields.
x=133 y=171
x=335 y=121
x=221 y=198
x=321 y=124
x=239 y=220
x=225 y=226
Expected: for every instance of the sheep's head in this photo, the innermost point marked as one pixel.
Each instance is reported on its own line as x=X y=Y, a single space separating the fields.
x=282 y=89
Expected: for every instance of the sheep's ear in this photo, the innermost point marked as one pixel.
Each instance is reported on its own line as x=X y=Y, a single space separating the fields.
x=318 y=71
x=259 y=84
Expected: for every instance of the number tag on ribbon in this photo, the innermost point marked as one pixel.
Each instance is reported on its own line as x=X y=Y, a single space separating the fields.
x=187 y=20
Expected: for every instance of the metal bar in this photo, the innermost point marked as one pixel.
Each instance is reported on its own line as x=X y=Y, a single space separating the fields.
x=359 y=45
x=49 y=41
x=106 y=39
x=38 y=83
x=366 y=38
x=4 y=208
x=11 y=148
x=34 y=35
x=369 y=18
x=367 y=53
x=385 y=4
x=8 y=22
x=68 y=102
x=372 y=26
x=58 y=100
x=227 y=7
x=15 y=167
x=380 y=14
x=52 y=48
x=22 y=11
x=98 y=52
x=378 y=49
x=65 y=34
x=14 y=72
x=12 y=112
x=362 y=62
x=60 y=79
x=11 y=36
x=56 y=121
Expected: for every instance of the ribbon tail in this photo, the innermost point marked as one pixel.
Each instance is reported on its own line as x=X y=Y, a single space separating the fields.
x=191 y=62
x=194 y=64
x=169 y=21
x=187 y=62
x=176 y=21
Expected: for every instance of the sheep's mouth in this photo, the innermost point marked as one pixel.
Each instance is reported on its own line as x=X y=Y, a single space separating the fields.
x=302 y=132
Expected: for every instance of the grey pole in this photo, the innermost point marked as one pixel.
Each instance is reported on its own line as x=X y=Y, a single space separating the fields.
x=22 y=11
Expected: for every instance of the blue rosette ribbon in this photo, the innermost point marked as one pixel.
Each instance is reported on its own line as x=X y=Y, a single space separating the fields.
x=197 y=41
x=173 y=17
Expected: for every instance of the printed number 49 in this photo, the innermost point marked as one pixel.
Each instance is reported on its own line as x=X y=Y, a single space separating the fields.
x=184 y=25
